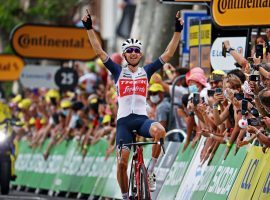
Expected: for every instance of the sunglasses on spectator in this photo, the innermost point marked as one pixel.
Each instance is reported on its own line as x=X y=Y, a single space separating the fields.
x=132 y=49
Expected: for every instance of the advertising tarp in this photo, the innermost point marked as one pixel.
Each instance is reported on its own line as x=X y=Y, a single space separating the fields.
x=249 y=174
x=176 y=173
x=225 y=175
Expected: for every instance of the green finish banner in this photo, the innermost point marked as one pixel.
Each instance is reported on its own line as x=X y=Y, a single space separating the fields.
x=225 y=176
x=21 y=164
x=37 y=167
x=205 y=176
x=54 y=165
x=177 y=173
x=92 y=165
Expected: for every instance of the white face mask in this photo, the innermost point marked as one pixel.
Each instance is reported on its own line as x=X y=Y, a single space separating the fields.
x=154 y=98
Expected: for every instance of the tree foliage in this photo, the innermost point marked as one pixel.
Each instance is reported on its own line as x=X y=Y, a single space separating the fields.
x=13 y=12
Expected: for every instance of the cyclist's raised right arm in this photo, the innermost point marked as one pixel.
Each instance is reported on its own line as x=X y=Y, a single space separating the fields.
x=87 y=22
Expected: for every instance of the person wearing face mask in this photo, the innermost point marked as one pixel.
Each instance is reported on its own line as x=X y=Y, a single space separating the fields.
x=156 y=93
x=197 y=83
x=132 y=84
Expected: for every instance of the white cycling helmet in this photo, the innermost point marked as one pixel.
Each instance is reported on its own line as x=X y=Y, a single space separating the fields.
x=131 y=42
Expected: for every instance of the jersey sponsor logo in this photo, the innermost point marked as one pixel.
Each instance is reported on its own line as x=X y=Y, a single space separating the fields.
x=129 y=87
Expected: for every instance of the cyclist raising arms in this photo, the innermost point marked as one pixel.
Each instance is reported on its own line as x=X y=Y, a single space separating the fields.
x=132 y=84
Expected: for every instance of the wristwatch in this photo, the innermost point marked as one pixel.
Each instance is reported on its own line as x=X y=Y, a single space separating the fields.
x=229 y=50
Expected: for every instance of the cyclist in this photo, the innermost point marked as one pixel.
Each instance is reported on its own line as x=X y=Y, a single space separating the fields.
x=132 y=84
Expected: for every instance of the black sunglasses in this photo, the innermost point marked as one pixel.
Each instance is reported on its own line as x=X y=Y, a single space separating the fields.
x=131 y=49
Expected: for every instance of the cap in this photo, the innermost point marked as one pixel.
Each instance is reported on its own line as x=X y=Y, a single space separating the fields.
x=156 y=87
x=106 y=119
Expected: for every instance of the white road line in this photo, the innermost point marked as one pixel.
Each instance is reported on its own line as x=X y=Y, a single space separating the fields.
x=20 y=197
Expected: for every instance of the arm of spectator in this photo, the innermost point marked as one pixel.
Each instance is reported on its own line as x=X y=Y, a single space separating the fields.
x=237 y=56
x=219 y=118
x=157 y=79
x=169 y=70
x=190 y=127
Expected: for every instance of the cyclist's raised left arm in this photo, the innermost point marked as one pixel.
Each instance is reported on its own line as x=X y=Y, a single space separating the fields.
x=172 y=46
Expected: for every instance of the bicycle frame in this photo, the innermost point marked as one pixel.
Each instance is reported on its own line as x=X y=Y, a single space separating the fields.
x=138 y=166
x=138 y=162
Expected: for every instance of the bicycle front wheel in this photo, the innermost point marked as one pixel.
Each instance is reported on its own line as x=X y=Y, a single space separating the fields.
x=144 y=191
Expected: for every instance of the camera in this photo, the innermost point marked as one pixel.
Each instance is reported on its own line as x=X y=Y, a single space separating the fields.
x=254 y=77
x=244 y=106
x=223 y=50
x=196 y=98
x=239 y=96
x=254 y=121
x=259 y=50
x=210 y=93
x=218 y=90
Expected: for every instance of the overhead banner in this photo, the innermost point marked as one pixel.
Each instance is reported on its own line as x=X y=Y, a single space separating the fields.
x=241 y=13
x=185 y=1
x=36 y=76
x=52 y=42
x=10 y=67
x=219 y=62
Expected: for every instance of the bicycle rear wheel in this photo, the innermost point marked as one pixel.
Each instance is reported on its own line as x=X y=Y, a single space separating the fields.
x=144 y=191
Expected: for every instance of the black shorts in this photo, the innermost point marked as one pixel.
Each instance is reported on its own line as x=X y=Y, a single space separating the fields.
x=126 y=125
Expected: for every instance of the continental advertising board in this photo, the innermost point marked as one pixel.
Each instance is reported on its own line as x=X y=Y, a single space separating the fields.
x=10 y=67
x=185 y=1
x=229 y=13
x=52 y=42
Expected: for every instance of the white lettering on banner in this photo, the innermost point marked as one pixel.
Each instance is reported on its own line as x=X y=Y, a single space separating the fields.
x=54 y=164
x=86 y=166
x=193 y=174
x=67 y=161
x=223 y=180
x=112 y=162
x=205 y=179
x=74 y=165
x=162 y=173
x=98 y=168
x=176 y=173
x=39 y=163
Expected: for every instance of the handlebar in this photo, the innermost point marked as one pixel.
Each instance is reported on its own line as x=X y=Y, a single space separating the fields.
x=160 y=142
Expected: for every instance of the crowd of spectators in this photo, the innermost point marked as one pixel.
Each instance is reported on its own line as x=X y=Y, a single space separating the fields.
x=228 y=107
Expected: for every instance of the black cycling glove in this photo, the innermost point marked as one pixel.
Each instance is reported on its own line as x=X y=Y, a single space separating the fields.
x=88 y=23
x=178 y=26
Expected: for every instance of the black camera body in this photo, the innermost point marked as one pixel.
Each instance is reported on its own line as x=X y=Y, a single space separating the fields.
x=254 y=77
x=196 y=98
x=254 y=121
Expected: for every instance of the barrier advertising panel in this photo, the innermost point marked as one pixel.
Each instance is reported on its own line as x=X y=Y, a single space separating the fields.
x=93 y=168
x=225 y=175
x=262 y=191
x=204 y=177
x=165 y=165
x=37 y=167
x=249 y=174
x=54 y=165
x=63 y=178
x=194 y=169
x=176 y=173
x=22 y=161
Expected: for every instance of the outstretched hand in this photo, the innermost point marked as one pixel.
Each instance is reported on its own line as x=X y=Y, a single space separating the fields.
x=87 y=21
x=179 y=22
